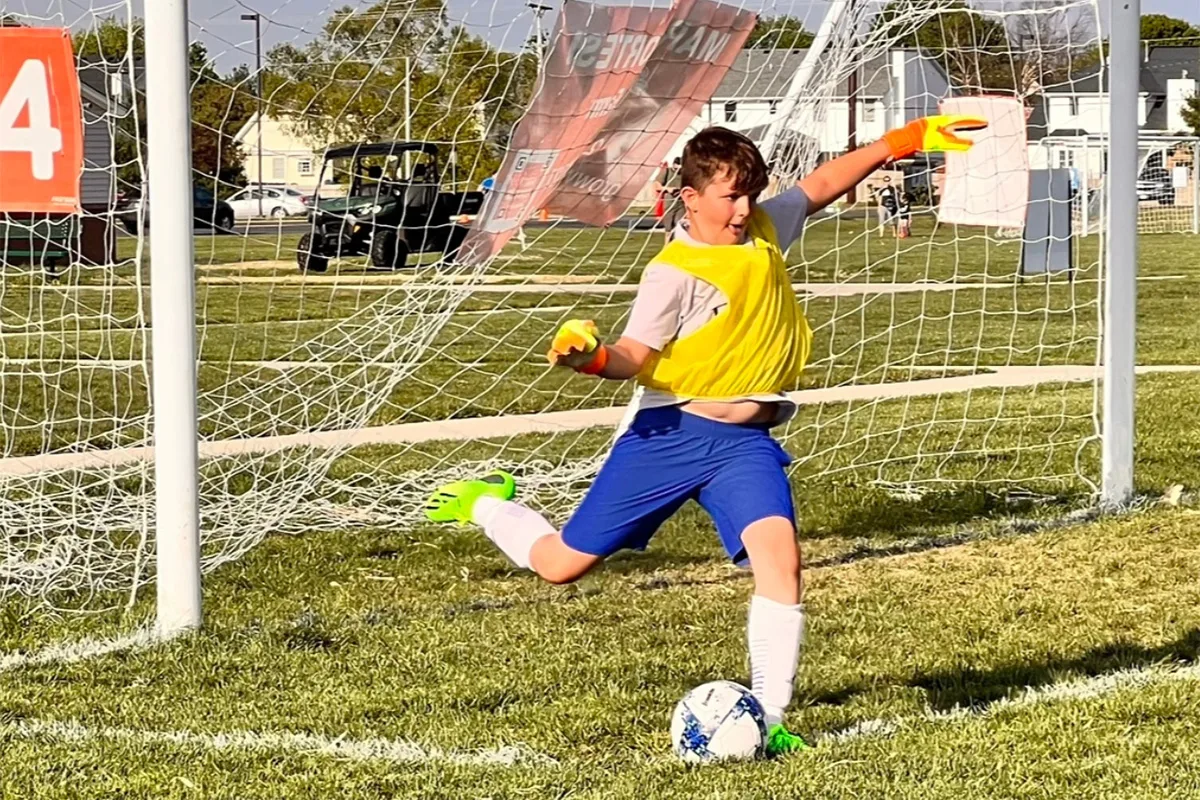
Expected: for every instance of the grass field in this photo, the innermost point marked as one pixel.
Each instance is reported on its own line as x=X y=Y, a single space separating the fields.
x=412 y=661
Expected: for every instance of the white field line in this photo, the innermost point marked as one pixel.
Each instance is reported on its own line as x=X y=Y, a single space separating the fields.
x=1079 y=689
x=395 y=751
x=552 y=421
x=79 y=651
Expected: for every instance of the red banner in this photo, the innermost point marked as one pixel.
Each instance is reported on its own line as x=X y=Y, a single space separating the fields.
x=41 y=132
x=597 y=54
x=688 y=65
x=619 y=86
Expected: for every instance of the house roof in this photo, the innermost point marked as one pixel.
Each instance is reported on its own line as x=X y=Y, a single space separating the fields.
x=1159 y=64
x=767 y=74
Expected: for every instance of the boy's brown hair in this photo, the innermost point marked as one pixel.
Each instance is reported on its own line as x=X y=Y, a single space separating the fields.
x=714 y=151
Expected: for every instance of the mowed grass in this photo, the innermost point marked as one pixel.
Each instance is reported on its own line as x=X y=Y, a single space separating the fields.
x=427 y=635
x=75 y=353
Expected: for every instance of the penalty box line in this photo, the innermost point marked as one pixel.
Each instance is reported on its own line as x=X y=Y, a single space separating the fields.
x=394 y=751
x=1089 y=688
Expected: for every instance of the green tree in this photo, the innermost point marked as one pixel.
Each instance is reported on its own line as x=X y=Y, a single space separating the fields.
x=973 y=49
x=1169 y=31
x=1191 y=113
x=350 y=83
x=779 y=33
x=220 y=106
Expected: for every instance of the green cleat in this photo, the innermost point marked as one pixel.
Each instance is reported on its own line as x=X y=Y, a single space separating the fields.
x=782 y=742
x=454 y=501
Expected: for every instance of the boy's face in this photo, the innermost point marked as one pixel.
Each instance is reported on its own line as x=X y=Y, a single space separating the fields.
x=719 y=213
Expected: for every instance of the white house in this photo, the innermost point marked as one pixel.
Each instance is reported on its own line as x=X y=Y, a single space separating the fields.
x=1065 y=115
x=287 y=157
x=893 y=89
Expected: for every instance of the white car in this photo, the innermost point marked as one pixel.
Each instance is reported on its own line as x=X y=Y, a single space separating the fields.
x=276 y=201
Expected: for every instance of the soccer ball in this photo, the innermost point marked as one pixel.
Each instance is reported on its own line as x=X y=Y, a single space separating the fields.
x=718 y=721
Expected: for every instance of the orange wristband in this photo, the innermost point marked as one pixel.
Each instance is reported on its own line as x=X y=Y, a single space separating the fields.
x=597 y=364
x=903 y=142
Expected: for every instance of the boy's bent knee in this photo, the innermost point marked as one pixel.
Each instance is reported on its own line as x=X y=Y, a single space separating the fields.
x=557 y=563
x=774 y=557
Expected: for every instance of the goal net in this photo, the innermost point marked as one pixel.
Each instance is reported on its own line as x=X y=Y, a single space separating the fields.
x=374 y=323
x=1166 y=189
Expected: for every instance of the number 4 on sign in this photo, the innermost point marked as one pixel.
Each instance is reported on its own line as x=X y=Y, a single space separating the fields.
x=40 y=139
x=41 y=122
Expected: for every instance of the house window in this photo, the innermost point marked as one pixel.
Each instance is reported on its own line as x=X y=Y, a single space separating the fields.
x=1066 y=158
x=731 y=112
x=305 y=166
x=278 y=168
x=869 y=111
x=1074 y=106
x=773 y=107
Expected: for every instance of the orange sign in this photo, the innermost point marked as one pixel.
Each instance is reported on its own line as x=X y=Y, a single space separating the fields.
x=41 y=133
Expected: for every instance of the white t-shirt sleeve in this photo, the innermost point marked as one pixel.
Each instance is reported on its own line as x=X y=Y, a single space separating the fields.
x=788 y=211
x=656 y=315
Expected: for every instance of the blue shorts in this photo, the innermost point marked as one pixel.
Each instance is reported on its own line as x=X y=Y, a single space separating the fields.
x=667 y=457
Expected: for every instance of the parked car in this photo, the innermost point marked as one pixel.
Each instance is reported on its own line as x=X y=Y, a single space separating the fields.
x=1154 y=186
x=207 y=210
x=269 y=201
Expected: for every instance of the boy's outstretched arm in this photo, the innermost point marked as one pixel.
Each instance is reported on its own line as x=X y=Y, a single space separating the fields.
x=833 y=179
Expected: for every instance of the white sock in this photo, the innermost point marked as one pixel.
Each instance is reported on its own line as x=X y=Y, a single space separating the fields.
x=774 y=633
x=512 y=527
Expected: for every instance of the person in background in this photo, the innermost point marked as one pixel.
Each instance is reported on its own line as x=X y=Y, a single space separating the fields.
x=888 y=201
x=668 y=188
x=903 y=215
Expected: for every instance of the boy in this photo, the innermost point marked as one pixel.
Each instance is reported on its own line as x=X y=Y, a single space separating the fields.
x=714 y=338
x=904 y=216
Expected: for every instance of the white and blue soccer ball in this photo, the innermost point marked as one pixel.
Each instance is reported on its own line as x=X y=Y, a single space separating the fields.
x=718 y=721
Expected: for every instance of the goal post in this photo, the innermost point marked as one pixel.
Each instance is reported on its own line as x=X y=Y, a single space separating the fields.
x=173 y=318
x=1120 y=274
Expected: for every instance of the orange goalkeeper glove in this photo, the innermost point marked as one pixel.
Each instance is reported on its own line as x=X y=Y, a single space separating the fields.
x=932 y=134
x=576 y=345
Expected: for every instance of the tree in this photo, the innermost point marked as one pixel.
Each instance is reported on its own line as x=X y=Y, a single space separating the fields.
x=1048 y=46
x=219 y=107
x=779 y=33
x=1169 y=31
x=350 y=83
x=1191 y=113
x=973 y=48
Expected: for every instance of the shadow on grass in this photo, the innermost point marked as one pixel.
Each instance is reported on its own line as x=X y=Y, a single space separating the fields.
x=977 y=688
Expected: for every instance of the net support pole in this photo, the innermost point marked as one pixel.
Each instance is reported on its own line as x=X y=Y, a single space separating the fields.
x=1120 y=284
x=1195 y=181
x=173 y=321
x=803 y=76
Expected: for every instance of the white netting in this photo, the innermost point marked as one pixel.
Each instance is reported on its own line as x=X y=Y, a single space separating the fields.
x=1167 y=196
x=340 y=395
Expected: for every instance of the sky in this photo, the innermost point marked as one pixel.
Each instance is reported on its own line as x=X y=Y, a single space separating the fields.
x=505 y=23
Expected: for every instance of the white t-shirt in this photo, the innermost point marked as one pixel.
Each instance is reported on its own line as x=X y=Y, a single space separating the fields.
x=671 y=304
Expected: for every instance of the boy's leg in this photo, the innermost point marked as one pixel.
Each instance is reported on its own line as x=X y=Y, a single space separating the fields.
x=645 y=480
x=775 y=628
x=751 y=502
x=530 y=541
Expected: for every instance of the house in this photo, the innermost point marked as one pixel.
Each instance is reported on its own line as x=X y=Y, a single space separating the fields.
x=894 y=88
x=287 y=156
x=1068 y=122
